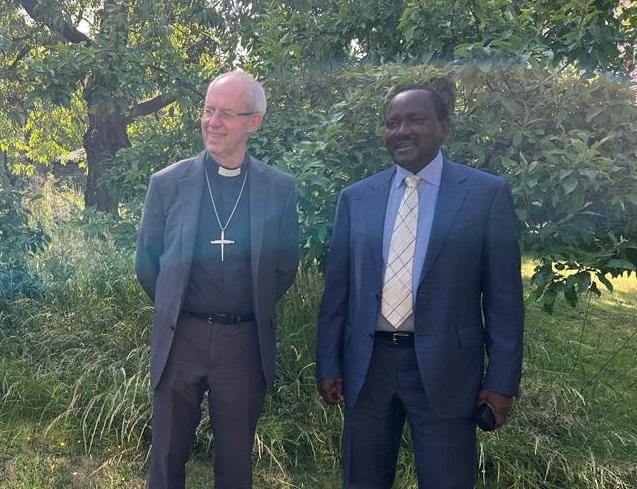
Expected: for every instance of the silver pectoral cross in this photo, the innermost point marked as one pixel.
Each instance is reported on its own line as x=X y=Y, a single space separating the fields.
x=222 y=241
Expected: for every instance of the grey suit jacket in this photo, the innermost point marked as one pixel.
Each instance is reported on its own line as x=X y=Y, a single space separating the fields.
x=166 y=243
x=468 y=303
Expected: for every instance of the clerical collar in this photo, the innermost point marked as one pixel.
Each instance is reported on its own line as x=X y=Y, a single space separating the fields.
x=228 y=172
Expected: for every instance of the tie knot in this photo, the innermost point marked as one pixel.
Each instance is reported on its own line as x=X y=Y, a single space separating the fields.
x=412 y=180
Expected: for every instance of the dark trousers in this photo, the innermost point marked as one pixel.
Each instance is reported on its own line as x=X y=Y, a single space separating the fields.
x=225 y=360
x=444 y=448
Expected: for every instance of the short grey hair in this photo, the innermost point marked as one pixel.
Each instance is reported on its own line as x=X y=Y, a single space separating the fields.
x=256 y=94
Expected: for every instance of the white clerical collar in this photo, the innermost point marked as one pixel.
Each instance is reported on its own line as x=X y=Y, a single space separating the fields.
x=228 y=172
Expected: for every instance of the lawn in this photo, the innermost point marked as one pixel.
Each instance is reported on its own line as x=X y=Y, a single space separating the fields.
x=74 y=397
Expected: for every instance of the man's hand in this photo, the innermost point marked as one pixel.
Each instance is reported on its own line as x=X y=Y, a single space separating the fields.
x=500 y=405
x=331 y=390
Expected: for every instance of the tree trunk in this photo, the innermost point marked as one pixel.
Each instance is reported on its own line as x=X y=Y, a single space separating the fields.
x=3 y=164
x=106 y=134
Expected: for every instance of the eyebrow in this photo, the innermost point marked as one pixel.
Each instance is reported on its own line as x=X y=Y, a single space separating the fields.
x=410 y=114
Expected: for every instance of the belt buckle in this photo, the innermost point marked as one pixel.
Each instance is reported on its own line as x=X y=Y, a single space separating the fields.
x=397 y=337
x=216 y=318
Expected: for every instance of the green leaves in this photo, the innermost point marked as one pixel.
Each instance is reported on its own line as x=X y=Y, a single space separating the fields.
x=18 y=239
x=566 y=145
x=561 y=135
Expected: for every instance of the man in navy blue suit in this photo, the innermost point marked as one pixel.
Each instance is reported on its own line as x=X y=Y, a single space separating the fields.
x=423 y=279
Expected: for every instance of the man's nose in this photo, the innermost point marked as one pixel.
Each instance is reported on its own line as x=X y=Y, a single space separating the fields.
x=215 y=118
x=403 y=128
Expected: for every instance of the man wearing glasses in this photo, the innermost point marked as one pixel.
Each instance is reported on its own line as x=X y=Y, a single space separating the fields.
x=217 y=248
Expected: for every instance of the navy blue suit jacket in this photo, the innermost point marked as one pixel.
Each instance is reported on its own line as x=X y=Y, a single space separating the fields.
x=469 y=300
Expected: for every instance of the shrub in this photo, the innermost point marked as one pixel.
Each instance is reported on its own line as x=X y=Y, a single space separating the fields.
x=564 y=142
x=18 y=239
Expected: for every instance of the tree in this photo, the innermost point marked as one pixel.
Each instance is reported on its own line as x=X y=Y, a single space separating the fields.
x=82 y=72
x=597 y=35
x=529 y=76
x=293 y=35
x=113 y=61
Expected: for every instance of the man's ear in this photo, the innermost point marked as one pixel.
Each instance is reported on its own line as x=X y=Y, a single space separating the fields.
x=254 y=122
x=446 y=126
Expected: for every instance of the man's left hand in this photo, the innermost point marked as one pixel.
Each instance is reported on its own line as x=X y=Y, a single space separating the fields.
x=500 y=405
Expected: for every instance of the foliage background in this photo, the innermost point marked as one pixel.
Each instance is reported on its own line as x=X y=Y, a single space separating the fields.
x=563 y=140
x=542 y=94
x=542 y=90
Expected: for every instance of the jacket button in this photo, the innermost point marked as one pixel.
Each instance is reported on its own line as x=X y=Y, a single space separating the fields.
x=172 y=326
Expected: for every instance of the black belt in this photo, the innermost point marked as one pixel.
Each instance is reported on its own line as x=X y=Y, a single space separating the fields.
x=214 y=318
x=397 y=338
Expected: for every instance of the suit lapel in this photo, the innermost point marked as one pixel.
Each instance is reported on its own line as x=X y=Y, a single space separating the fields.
x=450 y=198
x=259 y=192
x=374 y=216
x=190 y=189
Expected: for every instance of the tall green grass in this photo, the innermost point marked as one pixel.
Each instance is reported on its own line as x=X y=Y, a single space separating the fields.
x=75 y=398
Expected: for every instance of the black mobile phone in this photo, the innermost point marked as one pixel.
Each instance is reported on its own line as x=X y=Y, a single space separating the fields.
x=484 y=418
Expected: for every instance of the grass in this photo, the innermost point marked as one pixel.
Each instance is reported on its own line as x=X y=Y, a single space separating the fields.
x=75 y=403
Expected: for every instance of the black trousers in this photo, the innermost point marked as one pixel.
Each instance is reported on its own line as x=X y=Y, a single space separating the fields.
x=225 y=361
x=444 y=448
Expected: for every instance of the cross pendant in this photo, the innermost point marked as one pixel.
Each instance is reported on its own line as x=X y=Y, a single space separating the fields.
x=222 y=241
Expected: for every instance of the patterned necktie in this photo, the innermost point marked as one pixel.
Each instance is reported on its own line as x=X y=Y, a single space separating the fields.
x=396 y=298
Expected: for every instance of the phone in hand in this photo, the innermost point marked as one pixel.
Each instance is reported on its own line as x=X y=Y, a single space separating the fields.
x=484 y=417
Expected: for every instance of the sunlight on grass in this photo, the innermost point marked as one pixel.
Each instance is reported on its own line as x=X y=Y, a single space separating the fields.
x=624 y=287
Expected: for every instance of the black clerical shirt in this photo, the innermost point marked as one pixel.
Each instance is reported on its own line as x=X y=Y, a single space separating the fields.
x=216 y=286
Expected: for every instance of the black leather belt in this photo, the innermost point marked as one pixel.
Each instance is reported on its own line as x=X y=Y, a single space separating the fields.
x=397 y=338
x=213 y=318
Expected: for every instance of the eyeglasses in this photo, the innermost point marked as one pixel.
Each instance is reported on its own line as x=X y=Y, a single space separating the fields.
x=223 y=114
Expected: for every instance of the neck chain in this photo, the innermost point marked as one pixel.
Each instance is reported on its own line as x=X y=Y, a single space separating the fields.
x=222 y=241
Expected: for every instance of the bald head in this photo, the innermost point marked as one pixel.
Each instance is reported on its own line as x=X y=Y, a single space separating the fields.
x=254 y=93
